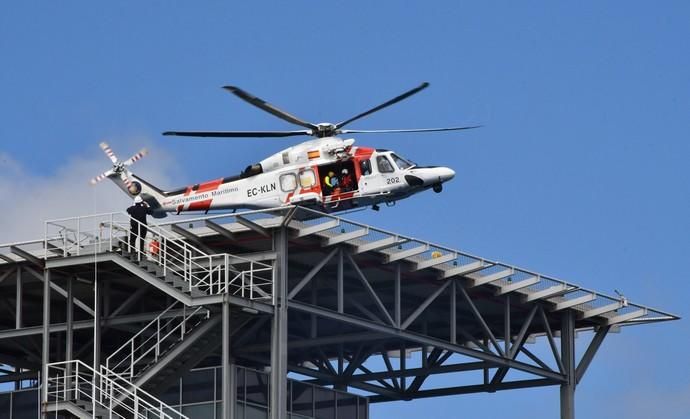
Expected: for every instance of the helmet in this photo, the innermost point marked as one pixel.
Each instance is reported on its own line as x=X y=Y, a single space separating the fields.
x=138 y=200
x=331 y=173
x=344 y=171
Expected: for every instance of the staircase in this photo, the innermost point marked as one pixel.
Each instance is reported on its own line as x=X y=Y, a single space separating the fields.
x=78 y=389
x=155 y=340
x=175 y=341
x=169 y=262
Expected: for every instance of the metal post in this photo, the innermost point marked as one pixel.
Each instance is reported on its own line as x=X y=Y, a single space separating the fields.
x=97 y=325
x=46 y=338
x=228 y=382
x=19 y=322
x=69 y=332
x=341 y=291
x=397 y=295
x=279 y=330
x=506 y=325
x=568 y=356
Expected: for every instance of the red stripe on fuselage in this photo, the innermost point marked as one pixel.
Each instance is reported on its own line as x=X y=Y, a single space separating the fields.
x=200 y=205
x=211 y=185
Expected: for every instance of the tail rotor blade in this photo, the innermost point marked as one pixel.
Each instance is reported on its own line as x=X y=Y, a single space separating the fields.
x=140 y=155
x=101 y=177
x=125 y=178
x=108 y=152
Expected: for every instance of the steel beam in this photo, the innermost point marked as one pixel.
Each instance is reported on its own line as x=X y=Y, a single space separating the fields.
x=377 y=245
x=228 y=407
x=552 y=341
x=371 y=291
x=192 y=238
x=546 y=293
x=601 y=310
x=412 y=317
x=253 y=226
x=423 y=340
x=45 y=359
x=590 y=352
x=621 y=318
x=7 y=273
x=516 y=285
x=61 y=291
x=18 y=310
x=220 y=230
x=402 y=254
x=343 y=237
x=415 y=372
x=479 y=388
x=568 y=354
x=27 y=256
x=434 y=261
x=563 y=305
x=478 y=280
x=464 y=269
x=480 y=319
x=307 y=231
x=279 y=331
x=304 y=281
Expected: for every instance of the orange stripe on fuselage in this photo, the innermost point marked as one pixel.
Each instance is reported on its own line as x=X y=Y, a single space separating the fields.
x=211 y=185
x=200 y=205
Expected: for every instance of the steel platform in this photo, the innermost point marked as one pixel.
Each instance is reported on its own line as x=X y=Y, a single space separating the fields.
x=339 y=303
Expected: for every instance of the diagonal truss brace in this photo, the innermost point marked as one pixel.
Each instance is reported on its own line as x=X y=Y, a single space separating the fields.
x=425 y=340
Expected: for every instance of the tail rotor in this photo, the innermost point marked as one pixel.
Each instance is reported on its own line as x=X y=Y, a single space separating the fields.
x=120 y=168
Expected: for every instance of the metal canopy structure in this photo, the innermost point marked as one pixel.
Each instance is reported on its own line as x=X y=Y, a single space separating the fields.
x=339 y=303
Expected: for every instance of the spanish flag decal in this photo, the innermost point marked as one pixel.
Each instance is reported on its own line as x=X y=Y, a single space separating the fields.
x=314 y=154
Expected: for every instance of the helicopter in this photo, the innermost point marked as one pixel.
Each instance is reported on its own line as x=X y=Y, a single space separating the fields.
x=327 y=172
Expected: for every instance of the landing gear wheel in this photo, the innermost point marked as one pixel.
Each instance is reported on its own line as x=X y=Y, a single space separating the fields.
x=438 y=188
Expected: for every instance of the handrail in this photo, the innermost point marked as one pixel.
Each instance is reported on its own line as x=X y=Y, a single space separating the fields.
x=71 y=381
x=155 y=334
x=207 y=273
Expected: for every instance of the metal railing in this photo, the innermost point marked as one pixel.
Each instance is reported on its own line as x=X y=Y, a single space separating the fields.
x=208 y=273
x=155 y=339
x=78 y=383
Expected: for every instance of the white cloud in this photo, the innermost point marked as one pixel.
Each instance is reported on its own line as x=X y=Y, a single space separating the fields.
x=30 y=199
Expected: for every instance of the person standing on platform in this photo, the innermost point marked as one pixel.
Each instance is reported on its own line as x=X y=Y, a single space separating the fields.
x=137 y=224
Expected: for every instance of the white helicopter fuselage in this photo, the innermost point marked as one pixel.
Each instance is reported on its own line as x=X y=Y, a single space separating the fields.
x=327 y=173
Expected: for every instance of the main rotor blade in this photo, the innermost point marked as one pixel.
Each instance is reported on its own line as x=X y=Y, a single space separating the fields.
x=386 y=104
x=108 y=152
x=387 y=131
x=101 y=176
x=262 y=104
x=237 y=134
x=140 y=155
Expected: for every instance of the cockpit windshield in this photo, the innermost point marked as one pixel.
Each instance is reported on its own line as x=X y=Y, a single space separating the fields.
x=402 y=163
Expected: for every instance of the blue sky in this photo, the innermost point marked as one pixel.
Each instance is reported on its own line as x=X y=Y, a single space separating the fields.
x=580 y=171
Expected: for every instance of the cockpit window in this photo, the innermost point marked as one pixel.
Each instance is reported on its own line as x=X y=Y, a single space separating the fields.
x=384 y=164
x=401 y=163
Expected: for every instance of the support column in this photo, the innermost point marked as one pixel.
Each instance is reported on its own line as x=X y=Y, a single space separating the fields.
x=97 y=323
x=46 y=339
x=19 y=322
x=568 y=357
x=279 y=328
x=229 y=384
x=69 y=332
x=18 y=319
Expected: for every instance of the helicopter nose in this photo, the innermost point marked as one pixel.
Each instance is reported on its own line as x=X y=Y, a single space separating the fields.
x=426 y=176
x=446 y=174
